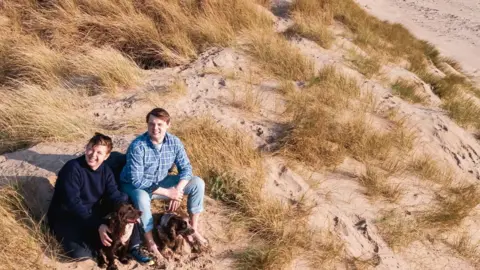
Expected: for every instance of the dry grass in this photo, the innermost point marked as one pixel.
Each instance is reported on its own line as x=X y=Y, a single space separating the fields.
x=463 y=245
x=236 y=176
x=311 y=22
x=32 y=114
x=427 y=168
x=465 y=111
x=368 y=66
x=407 y=90
x=320 y=134
x=398 y=229
x=153 y=33
x=277 y=56
x=377 y=186
x=453 y=204
x=161 y=96
x=249 y=99
x=25 y=241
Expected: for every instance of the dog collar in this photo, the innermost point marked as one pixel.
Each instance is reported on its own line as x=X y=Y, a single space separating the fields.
x=165 y=218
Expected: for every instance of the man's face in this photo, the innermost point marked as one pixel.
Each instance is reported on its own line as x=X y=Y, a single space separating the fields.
x=157 y=128
x=96 y=155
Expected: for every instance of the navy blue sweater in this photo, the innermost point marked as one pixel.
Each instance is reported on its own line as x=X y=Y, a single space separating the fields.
x=78 y=190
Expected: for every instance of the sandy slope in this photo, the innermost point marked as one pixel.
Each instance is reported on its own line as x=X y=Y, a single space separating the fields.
x=341 y=204
x=453 y=26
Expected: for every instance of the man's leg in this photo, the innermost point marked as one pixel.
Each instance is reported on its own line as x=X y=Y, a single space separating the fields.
x=74 y=240
x=141 y=200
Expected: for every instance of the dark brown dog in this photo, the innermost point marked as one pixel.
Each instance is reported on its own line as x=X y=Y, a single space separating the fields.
x=172 y=229
x=120 y=223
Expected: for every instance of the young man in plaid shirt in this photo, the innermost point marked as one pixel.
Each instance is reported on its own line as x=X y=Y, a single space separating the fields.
x=145 y=175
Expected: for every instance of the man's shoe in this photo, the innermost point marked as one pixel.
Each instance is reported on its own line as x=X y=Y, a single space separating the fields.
x=140 y=257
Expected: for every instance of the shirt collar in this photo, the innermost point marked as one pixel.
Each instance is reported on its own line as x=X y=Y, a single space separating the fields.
x=149 y=141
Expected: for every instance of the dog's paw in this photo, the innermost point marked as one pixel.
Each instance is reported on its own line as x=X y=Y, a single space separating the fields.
x=167 y=253
x=112 y=267
x=124 y=260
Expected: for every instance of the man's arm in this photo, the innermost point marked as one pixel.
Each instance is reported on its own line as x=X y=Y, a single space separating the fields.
x=135 y=167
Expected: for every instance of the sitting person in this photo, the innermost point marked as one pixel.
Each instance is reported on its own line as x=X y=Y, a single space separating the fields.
x=85 y=192
x=145 y=175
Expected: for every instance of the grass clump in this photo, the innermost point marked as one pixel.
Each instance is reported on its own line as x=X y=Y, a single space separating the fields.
x=277 y=56
x=407 y=90
x=376 y=184
x=368 y=66
x=465 y=111
x=398 y=229
x=25 y=241
x=32 y=114
x=311 y=22
x=427 y=168
x=452 y=206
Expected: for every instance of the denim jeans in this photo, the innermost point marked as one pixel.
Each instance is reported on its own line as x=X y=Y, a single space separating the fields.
x=195 y=190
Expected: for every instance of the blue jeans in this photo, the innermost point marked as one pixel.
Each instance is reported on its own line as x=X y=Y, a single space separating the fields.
x=195 y=190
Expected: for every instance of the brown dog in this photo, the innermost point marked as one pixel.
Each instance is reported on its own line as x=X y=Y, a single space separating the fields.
x=120 y=224
x=172 y=229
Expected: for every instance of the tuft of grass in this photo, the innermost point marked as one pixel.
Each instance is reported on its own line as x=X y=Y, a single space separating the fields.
x=368 y=66
x=376 y=183
x=467 y=248
x=398 y=229
x=160 y=96
x=103 y=70
x=311 y=22
x=277 y=56
x=452 y=206
x=248 y=100
x=465 y=111
x=25 y=241
x=427 y=168
x=32 y=114
x=407 y=90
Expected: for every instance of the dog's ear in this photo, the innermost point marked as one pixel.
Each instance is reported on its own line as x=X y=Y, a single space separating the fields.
x=173 y=231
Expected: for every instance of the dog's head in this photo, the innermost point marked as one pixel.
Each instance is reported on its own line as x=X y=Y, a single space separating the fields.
x=174 y=225
x=125 y=213
x=181 y=226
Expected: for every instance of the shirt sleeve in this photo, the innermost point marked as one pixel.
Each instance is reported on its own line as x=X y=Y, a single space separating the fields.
x=70 y=186
x=183 y=163
x=111 y=188
x=135 y=167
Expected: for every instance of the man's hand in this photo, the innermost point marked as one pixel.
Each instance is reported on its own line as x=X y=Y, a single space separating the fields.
x=173 y=206
x=102 y=231
x=175 y=194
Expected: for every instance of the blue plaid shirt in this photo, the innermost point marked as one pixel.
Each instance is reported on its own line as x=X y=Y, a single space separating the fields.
x=146 y=166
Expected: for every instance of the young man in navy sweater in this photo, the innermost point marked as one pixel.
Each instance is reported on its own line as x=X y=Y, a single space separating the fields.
x=75 y=216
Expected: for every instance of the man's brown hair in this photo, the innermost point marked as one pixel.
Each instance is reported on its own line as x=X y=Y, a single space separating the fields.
x=159 y=113
x=100 y=139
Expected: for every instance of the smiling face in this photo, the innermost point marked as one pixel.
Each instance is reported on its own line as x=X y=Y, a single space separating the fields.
x=157 y=128
x=95 y=155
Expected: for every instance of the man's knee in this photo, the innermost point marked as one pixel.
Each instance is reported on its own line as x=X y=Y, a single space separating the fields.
x=140 y=198
x=198 y=184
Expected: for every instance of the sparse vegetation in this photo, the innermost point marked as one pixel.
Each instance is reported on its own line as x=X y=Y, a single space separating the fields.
x=407 y=91
x=276 y=55
x=376 y=185
x=368 y=66
x=463 y=110
x=33 y=114
x=427 y=168
x=25 y=241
